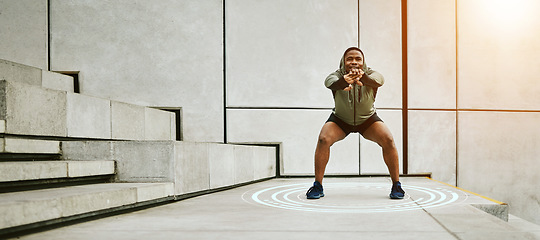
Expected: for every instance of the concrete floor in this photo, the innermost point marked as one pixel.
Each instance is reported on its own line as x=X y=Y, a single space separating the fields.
x=353 y=208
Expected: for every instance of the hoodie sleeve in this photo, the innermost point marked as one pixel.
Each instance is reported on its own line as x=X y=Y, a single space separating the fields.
x=372 y=78
x=335 y=81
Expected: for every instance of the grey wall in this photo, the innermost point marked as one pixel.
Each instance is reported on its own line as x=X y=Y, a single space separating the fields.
x=498 y=134
x=472 y=97
x=278 y=52
x=472 y=78
x=23 y=32
x=275 y=75
x=431 y=54
x=152 y=53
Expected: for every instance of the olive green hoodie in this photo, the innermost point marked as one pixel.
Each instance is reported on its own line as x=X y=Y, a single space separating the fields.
x=354 y=106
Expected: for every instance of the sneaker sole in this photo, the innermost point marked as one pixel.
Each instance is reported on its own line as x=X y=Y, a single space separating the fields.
x=395 y=197
x=316 y=197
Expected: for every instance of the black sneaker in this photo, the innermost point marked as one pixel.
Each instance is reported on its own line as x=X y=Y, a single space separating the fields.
x=316 y=191
x=397 y=192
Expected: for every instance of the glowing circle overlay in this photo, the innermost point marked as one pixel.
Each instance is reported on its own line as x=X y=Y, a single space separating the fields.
x=292 y=197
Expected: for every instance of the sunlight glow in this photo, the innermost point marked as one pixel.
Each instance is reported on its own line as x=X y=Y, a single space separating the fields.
x=509 y=14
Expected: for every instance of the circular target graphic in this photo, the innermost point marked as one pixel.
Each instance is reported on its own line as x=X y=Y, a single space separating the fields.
x=352 y=197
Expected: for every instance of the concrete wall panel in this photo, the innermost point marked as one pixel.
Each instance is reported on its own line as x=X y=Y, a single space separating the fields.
x=279 y=52
x=127 y=121
x=136 y=161
x=159 y=125
x=192 y=172
x=221 y=165
x=57 y=81
x=380 y=40
x=264 y=164
x=432 y=144
x=298 y=131
x=16 y=72
x=90 y=168
x=498 y=57
x=371 y=158
x=243 y=164
x=431 y=54
x=31 y=110
x=234 y=164
x=151 y=53
x=90 y=150
x=498 y=157
x=23 y=32
x=88 y=117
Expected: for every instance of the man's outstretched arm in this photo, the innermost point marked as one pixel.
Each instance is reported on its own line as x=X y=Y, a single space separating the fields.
x=336 y=82
x=372 y=78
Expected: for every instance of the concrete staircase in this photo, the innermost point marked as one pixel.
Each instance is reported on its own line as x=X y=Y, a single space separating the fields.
x=66 y=156
x=38 y=188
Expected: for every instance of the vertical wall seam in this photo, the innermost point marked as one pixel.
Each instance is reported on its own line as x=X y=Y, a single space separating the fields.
x=48 y=35
x=404 y=66
x=224 y=79
x=358 y=16
x=457 y=96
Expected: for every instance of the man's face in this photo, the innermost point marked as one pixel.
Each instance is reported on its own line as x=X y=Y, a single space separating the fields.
x=354 y=60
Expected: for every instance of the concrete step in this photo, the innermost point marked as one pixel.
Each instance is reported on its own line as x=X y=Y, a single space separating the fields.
x=9 y=145
x=67 y=114
x=20 y=209
x=39 y=170
x=192 y=166
x=12 y=71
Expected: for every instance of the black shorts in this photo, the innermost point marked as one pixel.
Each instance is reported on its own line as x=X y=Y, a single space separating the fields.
x=350 y=128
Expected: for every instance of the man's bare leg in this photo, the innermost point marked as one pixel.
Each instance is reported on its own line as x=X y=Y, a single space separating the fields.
x=379 y=133
x=330 y=133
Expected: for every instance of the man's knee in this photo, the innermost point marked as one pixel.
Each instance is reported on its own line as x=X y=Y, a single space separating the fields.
x=387 y=142
x=330 y=134
x=325 y=140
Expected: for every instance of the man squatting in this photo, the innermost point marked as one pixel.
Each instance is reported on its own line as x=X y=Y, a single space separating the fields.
x=354 y=86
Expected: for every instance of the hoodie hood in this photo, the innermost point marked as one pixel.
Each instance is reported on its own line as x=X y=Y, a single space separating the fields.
x=342 y=62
